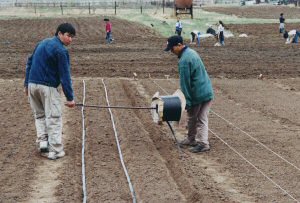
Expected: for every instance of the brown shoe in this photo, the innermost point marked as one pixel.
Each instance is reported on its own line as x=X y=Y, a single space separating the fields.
x=187 y=142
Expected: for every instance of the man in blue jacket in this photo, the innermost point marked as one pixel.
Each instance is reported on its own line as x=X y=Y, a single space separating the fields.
x=197 y=89
x=46 y=69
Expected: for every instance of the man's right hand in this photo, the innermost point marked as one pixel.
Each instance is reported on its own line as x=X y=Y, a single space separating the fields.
x=70 y=104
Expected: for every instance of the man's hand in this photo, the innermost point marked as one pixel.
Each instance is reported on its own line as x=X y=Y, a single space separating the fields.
x=70 y=104
x=26 y=91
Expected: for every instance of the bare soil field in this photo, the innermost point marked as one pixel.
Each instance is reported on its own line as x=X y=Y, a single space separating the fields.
x=258 y=11
x=254 y=123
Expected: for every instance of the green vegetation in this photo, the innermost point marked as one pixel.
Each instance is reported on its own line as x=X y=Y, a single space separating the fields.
x=165 y=23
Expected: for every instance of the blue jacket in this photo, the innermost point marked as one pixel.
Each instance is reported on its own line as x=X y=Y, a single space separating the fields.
x=50 y=65
x=194 y=80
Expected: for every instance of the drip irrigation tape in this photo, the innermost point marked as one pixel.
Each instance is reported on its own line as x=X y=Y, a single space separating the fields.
x=179 y=149
x=266 y=147
x=83 y=147
x=251 y=164
x=119 y=148
x=115 y=107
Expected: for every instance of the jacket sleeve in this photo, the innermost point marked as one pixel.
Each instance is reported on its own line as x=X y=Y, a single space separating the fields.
x=185 y=81
x=65 y=74
x=28 y=67
x=27 y=70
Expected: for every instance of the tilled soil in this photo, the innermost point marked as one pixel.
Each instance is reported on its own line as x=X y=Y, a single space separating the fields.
x=258 y=120
x=258 y=11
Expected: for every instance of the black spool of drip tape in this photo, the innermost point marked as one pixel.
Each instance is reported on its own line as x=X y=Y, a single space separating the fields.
x=167 y=108
x=172 y=108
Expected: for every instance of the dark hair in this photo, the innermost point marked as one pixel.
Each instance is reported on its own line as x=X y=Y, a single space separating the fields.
x=281 y=14
x=65 y=27
x=221 y=23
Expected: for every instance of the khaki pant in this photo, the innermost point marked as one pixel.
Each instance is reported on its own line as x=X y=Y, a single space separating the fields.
x=45 y=103
x=198 y=122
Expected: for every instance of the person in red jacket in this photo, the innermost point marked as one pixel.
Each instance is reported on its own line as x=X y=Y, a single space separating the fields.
x=108 y=27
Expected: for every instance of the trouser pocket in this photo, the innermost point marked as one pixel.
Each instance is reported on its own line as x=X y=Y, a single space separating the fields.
x=55 y=106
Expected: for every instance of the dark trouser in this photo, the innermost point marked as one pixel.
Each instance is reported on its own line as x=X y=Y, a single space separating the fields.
x=221 y=38
x=178 y=31
x=296 y=37
x=108 y=37
x=198 y=122
x=193 y=36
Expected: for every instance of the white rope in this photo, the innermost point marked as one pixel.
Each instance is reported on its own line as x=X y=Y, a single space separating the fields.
x=278 y=186
x=160 y=87
x=254 y=166
x=119 y=148
x=83 y=146
x=257 y=141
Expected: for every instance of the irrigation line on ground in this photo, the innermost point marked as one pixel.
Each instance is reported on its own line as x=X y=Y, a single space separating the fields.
x=160 y=87
x=266 y=147
x=233 y=149
x=256 y=140
x=119 y=148
x=83 y=146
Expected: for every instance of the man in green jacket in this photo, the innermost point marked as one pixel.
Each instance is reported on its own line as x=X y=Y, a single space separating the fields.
x=197 y=89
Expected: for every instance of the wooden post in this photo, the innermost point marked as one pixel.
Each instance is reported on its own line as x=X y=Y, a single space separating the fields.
x=115 y=8
x=89 y=8
x=35 y=8
x=163 y=6
x=192 y=11
x=141 y=10
x=61 y=8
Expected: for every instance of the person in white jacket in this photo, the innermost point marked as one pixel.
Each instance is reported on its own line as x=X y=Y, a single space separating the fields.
x=292 y=36
x=178 y=27
x=221 y=33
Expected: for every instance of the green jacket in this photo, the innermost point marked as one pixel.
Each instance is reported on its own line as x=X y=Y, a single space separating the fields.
x=194 y=80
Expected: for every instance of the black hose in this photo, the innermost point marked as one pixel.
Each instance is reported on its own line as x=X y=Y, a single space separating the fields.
x=115 y=107
x=173 y=133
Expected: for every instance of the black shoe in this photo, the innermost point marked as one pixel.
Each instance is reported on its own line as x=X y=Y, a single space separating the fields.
x=187 y=142
x=200 y=148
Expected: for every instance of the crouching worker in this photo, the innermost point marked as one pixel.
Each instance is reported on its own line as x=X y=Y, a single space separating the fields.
x=196 y=35
x=291 y=36
x=197 y=89
x=211 y=31
x=46 y=69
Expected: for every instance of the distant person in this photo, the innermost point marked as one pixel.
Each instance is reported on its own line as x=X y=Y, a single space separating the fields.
x=178 y=27
x=211 y=31
x=281 y=23
x=197 y=89
x=46 y=69
x=108 y=29
x=291 y=36
x=221 y=33
x=195 y=35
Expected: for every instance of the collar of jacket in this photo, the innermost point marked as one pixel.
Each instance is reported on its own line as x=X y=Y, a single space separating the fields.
x=57 y=38
x=182 y=50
